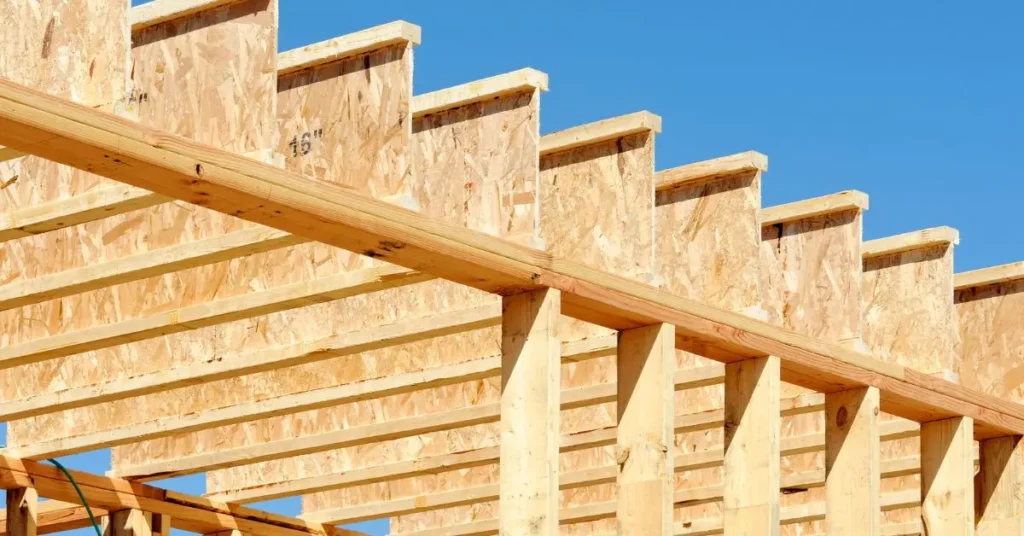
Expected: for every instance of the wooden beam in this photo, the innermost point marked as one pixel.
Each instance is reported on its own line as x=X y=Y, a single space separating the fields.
x=530 y=365
x=193 y=514
x=22 y=511
x=751 y=467
x=58 y=516
x=346 y=46
x=208 y=314
x=129 y=522
x=646 y=359
x=1000 y=487
x=947 y=477
x=152 y=13
x=989 y=276
x=714 y=169
x=488 y=88
x=852 y=470
x=152 y=263
x=912 y=240
x=604 y=130
x=7 y=153
x=83 y=208
x=809 y=208
x=354 y=342
x=46 y=126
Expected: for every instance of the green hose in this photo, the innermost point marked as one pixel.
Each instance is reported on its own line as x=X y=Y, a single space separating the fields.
x=81 y=495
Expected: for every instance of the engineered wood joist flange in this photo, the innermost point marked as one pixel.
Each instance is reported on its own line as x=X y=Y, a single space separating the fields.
x=488 y=88
x=159 y=11
x=346 y=46
x=598 y=131
x=912 y=240
x=51 y=128
x=818 y=206
x=989 y=276
x=716 y=168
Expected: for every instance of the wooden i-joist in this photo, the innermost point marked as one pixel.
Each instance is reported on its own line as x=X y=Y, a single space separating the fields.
x=290 y=273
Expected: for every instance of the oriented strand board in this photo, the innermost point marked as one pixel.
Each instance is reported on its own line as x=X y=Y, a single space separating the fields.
x=184 y=77
x=812 y=284
x=991 y=346
x=707 y=248
x=910 y=319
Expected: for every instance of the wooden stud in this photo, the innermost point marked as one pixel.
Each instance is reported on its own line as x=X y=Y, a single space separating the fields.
x=751 y=492
x=646 y=358
x=852 y=471
x=947 y=476
x=530 y=365
x=22 y=512
x=1000 y=487
x=129 y=522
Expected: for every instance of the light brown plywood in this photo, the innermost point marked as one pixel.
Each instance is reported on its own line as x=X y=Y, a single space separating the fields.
x=990 y=352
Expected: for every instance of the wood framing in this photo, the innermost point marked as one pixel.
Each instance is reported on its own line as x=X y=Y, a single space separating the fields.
x=1000 y=506
x=947 y=477
x=51 y=128
x=22 y=512
x=645 y=361
x=529 y=412
x=852 y=468
x=750 y=498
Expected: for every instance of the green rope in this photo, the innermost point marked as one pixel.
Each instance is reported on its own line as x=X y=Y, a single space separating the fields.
x=81 y=495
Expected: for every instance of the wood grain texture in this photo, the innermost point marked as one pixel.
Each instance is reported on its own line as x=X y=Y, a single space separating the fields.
x=947 y=477
x=22 y=512
x=910 y=319
x=1000 y=487
x=852 y=468
x=990 y=350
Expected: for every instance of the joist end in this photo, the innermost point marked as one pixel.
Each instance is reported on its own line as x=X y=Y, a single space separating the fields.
x=717 y=168
x=989 y=276
x=521 y=81
x=600 y=131
x=818 y=206
x=347 y=46
x=910 y=241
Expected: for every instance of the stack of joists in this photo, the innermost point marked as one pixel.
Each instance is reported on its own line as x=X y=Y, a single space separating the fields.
x=191 y=341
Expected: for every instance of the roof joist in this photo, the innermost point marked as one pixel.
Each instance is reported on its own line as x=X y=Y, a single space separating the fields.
x=346 y=46
x=88 y=139
x=989 y=276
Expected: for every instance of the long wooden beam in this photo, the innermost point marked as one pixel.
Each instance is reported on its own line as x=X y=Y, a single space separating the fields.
x=208 y=314
x=190 y=513
x=7 y=153
x=49 y=127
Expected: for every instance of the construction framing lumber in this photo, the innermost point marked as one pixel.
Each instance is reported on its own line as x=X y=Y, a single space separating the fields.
x=51 y=128
x=912 y=240
x=947 y=477
x=494 y=87
x=347 y=45
x=9 y=154
x=989 y=276
x=58 y=516
x=100 y=203
x=208 y=314
x=852 y=468
x=193 y=514
x=604 y=130
x=809 y=208
x=1000 y=508
x=22 y=512
x=714 y=169
x=152 y=13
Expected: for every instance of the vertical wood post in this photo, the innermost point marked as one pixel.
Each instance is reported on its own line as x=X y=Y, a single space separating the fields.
x=530 y=378
x=751 y=491
x=22 y=512
x=646 y=361
x=852 y=473
x=1000 y=508
x=128 y=523
x=947 y=476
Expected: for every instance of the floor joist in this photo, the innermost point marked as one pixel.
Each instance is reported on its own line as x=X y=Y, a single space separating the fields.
x=81 y=137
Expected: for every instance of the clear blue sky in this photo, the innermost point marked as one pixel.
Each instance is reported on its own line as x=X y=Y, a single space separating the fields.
x=916 y=103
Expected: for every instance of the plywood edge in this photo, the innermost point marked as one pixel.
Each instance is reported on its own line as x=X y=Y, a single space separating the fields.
x=488 y=88
x=716 y=168
x=604 y=130
x=910 y=241
x=158 y=11
x=347 y=46
x=817 y=206
x=989 y=276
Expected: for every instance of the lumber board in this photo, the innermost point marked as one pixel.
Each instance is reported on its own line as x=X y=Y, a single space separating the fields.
x=723 y=167
x=910 y=318
x=495 y=87
x=600 y=131
x=347 y=46
x=22 y=512
x=947 y=477
x=988 y=276
x=160 y=11
x=9 y=154
x=1000 y=506
x=818 y=206
x=190 y=513
x=853 y=470
x=58 y=516
x=361 y=340
x=72 y=135
x=990 y=346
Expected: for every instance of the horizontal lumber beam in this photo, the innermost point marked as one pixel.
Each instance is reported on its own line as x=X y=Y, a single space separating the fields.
x=149 y=264
x=989 y=276
x=599 y=131
x=479 y=90
x=46 y=126
x=363 y=340
x=58 y=516
x=817 y=206
x=189 y=513
x=714 y=169
x=82 y=208
x=346 y=46
x=6 y=153
x=209 y=314
x=152 y=13
x=912 y=240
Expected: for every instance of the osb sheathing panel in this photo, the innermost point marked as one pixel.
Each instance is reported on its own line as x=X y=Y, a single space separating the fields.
x=910 y=319
x=991 y=345
x=708 y=247
x=812 y=285
x=188 y=78
x=502 y=138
